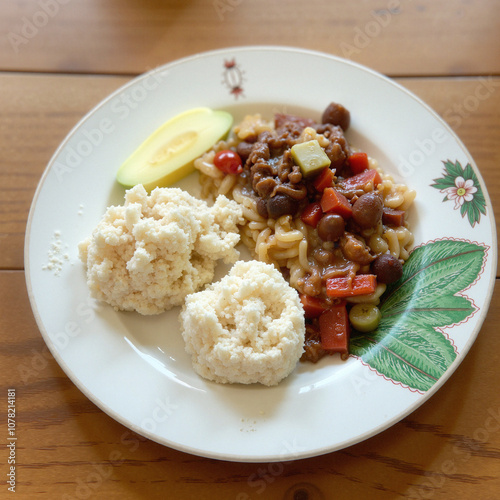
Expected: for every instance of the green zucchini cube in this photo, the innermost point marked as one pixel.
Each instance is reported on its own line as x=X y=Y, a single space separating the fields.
x=310 y=157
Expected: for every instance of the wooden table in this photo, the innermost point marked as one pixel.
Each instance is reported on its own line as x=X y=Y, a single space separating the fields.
x=60 y=58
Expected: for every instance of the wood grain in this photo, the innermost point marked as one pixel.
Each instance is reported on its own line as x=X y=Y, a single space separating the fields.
x=58 y=59
x=39 y=110
x=452 y=37
x=69 y=448
x=475 y=120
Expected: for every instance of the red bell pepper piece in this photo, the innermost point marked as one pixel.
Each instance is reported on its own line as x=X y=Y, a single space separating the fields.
x=334 y=329
x=311 y=214
x=358 y=162
x=333 y=201
x=341 y=286
x=313 y=306
x=324 y=179
x=359 y=181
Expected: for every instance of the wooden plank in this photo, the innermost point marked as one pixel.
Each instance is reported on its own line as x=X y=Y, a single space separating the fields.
x=471 y=106
x=131 y=37
x=37 y=113
x=39 y=110
x=68 y=448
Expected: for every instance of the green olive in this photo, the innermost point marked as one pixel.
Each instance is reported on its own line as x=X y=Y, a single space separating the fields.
x=364 y=317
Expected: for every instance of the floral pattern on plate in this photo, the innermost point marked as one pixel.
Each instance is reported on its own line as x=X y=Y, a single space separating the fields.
x=461 y=185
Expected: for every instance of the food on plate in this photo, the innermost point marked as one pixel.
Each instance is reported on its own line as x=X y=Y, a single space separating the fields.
x=246 y=328
x=167 y=155
x=149 y=253
x=310 y=157
x=364 y=317
x=323 y=213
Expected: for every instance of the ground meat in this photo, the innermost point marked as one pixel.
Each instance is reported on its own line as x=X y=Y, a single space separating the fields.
x=294 y=191
x=285 y=167
x=312 y=346
x=311 y=283
x=338 y=150
x=323 y=257
x=280 y=119
x=355 y=250
x=265 y=186
x=336 y=154
x=286 y=136
x=295 y=176
x=272 y=171
x=259 y=172
x=260 y=151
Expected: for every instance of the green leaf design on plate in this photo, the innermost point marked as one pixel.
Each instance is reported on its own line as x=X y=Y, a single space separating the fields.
x=408 y=346
x=471 y=200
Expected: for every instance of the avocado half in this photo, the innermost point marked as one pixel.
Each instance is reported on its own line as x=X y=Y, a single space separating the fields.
x=167 y=155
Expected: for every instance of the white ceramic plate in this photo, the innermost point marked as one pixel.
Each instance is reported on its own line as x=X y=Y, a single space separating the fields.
x=135 y=368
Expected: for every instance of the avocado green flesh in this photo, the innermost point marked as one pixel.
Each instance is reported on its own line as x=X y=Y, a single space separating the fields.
x=310 y=157
x=167 y=155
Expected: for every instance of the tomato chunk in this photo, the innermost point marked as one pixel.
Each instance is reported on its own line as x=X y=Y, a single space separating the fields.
x=312 y=214
x=228 y=162
x=333 y=201
x=324 y=179
x=358 y=162
x=359 y=181
x=361 y=284
x=334 y=329
x=313 y=306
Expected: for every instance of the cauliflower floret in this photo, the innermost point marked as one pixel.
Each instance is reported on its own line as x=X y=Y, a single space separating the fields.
x=248 y=327
x=148 y=254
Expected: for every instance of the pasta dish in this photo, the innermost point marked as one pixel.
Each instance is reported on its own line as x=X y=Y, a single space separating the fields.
x=322 y=212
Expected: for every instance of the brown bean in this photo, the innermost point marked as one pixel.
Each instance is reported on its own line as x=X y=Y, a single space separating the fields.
x=336 y=114
x=244 y=149
x=387 y=268
x=331 y=227
x=281 y=204
x=262 y=208
x=367 y=210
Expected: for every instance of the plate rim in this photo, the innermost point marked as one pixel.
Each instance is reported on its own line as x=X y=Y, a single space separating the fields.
x=237 y=457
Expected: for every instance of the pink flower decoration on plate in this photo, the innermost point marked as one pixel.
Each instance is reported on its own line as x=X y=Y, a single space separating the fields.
x=461 y=185
x=462 y=191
